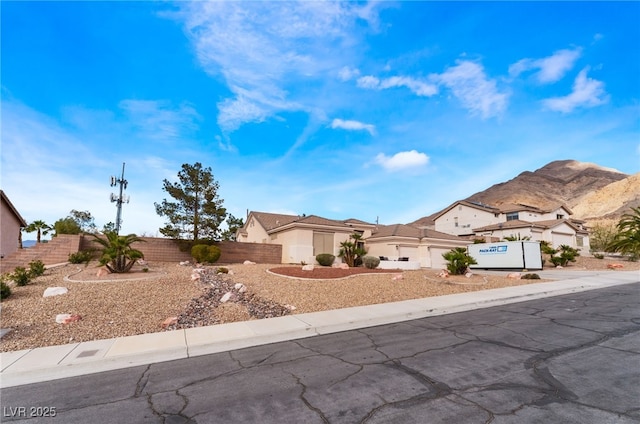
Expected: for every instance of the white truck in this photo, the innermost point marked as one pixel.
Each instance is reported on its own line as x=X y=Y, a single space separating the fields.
x=506 y=255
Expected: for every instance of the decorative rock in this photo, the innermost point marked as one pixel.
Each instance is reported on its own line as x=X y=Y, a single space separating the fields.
x=343 y=266
x=102 y=271
x=195 y=276
x=468 y=274
x=307 y=268
x=142 y=262
x=54 y=291
x=443 y=274
x=184 y=263
x=169 y=321
x=248 y=263
x=198 y=270
x=290 y=307
x=67 y=318
x=240 y=287
x=226 y=297
x=515 y=275
x=397 y=277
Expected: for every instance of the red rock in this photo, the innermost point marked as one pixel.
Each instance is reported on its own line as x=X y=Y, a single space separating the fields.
x=169 y=321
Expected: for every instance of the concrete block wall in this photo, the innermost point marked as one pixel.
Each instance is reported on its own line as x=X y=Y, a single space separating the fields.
x=55 y=251
x=167 y=250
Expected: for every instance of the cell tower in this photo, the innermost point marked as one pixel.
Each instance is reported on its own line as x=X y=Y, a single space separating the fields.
x=119 y=199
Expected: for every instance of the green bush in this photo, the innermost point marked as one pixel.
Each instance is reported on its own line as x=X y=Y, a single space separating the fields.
x=530 y=277
x=222 y=270
x=36 y=268
x=325 y=259
x=81 y=257
x=205 y=254
x=370 y=262
x=598 y=255
x=21 y=276
x=458 y=260
x=5 y=290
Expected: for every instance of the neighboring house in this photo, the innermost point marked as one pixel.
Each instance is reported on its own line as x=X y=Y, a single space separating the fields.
x=302 y=237
x=423 y=245
x=555 y=225
x=11 y=224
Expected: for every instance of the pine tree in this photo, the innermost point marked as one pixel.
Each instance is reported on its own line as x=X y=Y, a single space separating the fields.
x=197 y=211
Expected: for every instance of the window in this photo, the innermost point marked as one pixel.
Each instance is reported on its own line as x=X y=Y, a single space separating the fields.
x=512 y=216
x=559 y=216
x=579 y=241
x=322 y=243
x=455 y=221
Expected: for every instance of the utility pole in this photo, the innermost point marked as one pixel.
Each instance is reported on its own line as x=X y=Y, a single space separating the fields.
x=119 y=199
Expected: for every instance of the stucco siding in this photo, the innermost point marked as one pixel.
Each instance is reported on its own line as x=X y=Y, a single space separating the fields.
x=9 y=231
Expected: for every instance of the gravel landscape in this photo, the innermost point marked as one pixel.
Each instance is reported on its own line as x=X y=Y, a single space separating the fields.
x=117 y=305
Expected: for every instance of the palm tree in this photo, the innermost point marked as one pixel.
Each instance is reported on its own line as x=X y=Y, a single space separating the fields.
x=41 y=227
x=352 y=251
x=627 y=241
x=117 y=254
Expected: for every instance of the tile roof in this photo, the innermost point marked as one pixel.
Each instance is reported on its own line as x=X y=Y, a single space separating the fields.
x=272 y=221
x=409 y=231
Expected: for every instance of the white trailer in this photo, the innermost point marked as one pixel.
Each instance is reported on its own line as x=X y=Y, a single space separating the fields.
x=506 y=255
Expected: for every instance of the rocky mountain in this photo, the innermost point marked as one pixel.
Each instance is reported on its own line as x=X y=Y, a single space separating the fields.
x=590 y=190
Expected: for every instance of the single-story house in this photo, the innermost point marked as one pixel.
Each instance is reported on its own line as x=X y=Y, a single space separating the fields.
x=423 y=245
x=302 y=237
x=11 y=224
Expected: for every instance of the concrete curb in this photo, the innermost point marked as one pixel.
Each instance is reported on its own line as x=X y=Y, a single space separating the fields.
x=55 y=362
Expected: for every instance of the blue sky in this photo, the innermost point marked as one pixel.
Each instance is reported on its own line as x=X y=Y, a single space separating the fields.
x=388 y=110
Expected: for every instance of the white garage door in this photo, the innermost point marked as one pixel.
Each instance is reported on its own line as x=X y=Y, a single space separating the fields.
x=437 y=261
x=559 y=238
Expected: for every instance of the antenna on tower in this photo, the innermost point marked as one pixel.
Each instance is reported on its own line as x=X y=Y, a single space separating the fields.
x=119 y=199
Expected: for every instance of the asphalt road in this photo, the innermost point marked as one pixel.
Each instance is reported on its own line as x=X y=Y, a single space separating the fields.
x=567 y=359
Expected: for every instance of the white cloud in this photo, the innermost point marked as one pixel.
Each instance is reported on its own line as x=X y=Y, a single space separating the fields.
x=347 y=73
x=471 y=86
x=586 y=93
x=551 y=68
x=353 y=126
x=419 y=88
x=160 y=120
x=260 y=48
x=402 y=160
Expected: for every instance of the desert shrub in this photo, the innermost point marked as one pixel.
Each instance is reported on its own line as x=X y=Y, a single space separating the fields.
x=222 y=270
x=81 y=257
x=530 y=277
x=5 y=290
x=21 y=276
x=598 y=255
x=325 y=259
x=36 y=268
x=458 y=260
x=370 y=262
x=203 y=253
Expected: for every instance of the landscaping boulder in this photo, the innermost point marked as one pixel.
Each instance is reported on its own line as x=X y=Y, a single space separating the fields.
x=169 y=321
x=307 y=268
x=67 y=318
x=54 y=291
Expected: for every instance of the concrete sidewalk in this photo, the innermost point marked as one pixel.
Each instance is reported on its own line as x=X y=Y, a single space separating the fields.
x=55 y=362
